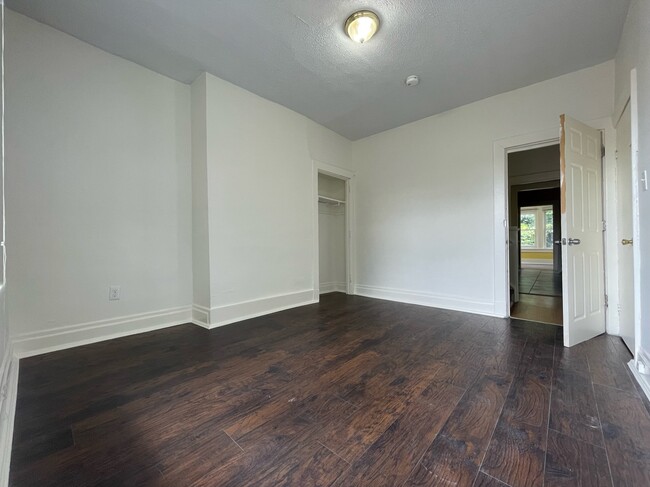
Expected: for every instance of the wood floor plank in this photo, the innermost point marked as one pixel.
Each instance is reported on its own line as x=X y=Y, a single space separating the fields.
x=391 y=458
x=516 y=453
x=484 y=480
x=456 y=453
x=152 y=453
x=626 y=429
x=517 y=450
x=570 y=358
x=350 y=391
x=147 y=405
x=573 y=407
x=608 y=359
x=571 y=462
x=281 y=447
x=310 y=467
x=43 y=445
x=351 y=436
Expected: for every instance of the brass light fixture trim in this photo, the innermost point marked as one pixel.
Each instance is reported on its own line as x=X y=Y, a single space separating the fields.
x=362 y=25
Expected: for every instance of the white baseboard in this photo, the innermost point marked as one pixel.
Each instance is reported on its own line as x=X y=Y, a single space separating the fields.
x=331 y=287
x=428 y=299
x=201 y=316
x=231 y=313
x=8 y=395
x=642 y=379
x=36 y=343
x=642 y=362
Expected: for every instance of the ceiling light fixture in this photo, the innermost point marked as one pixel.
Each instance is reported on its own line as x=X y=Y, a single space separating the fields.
x=362 y=25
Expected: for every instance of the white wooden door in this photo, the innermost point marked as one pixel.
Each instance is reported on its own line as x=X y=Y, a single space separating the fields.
x=582 y=231
x=625 y=228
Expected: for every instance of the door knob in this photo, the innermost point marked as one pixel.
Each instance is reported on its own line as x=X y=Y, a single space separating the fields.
x=626 y=241
x=560 y=242
x=574 y=241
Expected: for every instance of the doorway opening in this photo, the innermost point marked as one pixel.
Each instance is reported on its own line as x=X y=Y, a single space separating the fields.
x=582 y=162
x=535 y=257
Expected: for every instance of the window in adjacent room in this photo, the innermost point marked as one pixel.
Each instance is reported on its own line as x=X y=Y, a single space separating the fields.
x=536 y=227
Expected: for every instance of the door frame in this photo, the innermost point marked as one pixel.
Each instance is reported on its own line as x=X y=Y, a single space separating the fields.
x=349 y=177
x=501 y=149
x=632 y=101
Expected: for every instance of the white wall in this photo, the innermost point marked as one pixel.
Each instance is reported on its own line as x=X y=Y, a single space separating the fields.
x=8 y=365
x=634 y=52
x=98 y=155
x=4 y=328
x=260 y=201
x=200 y=240
x=425 y=212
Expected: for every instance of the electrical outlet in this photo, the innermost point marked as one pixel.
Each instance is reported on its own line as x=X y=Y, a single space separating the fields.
x=114 y=293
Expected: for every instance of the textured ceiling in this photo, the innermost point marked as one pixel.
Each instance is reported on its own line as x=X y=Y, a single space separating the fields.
x=295 y=53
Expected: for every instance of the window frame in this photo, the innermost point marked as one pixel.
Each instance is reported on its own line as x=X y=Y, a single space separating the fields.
x=540 y=228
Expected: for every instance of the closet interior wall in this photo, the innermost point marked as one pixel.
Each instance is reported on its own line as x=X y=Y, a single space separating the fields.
x=331 y=234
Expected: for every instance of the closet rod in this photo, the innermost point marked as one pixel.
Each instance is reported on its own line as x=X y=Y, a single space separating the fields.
x=330 y=201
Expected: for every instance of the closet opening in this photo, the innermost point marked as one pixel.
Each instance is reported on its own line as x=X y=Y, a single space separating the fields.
x=333 y=217
x=332 y=230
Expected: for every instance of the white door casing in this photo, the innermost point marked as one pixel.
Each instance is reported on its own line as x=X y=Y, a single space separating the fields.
x=625 y=227
x=582 y=227
x=350 y=234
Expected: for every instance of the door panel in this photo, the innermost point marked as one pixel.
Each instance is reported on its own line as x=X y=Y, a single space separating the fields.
x=625 y=228
x=582 y=255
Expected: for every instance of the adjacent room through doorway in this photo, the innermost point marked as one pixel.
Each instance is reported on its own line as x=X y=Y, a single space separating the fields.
x=534 y=222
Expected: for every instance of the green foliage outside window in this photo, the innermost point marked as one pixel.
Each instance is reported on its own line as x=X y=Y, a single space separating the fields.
x=536 y=227
x=527 y=228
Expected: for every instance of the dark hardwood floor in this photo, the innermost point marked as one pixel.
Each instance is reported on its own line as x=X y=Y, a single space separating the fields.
x=349 y=392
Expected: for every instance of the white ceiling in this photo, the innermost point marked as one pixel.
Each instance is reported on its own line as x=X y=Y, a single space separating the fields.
x=295 y=53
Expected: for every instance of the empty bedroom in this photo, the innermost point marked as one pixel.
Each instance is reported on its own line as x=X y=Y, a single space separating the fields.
x=323 y=243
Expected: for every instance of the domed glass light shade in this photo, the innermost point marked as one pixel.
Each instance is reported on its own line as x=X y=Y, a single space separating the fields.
x=362 y=25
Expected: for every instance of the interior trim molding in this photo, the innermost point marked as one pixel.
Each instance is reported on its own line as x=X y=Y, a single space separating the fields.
x=455 y=303
x=201 y=316
x=231 y=313
x=45 y=341
x=330 y=287
x=642 y=379
x=8 y=396
x=501 y=149
x=319 y=167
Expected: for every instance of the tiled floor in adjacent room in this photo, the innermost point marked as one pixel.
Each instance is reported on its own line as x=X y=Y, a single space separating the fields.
x=540 y=281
